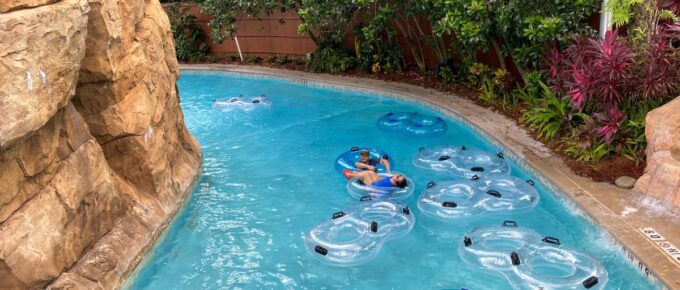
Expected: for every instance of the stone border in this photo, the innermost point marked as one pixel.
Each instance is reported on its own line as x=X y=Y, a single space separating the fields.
x=597 y=201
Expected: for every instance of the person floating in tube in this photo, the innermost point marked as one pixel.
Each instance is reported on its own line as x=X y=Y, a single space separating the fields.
x=372 y=178
x=367 y=163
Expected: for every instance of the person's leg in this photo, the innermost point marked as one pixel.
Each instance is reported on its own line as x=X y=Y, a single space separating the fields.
x=356 y=174
x=368 y=177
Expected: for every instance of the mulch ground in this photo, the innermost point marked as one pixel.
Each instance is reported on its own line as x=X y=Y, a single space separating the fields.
x=607 y=170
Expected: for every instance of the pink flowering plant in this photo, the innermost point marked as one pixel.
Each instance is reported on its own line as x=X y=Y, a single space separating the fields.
x=616 y=82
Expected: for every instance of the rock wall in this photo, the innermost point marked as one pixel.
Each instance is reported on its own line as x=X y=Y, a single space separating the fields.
x=94 y=155
x=662 y=175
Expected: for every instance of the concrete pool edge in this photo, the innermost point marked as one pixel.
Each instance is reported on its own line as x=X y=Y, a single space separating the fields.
x=599 y=201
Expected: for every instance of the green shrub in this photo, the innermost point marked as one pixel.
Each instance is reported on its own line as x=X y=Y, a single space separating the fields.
x=252 y=59
x=282 y=59
x=447 y=75
x=634 y=140
x=477 y=73
x=589 y=154
x=331 y=60
x=488 y=93
x=189 y=38
x=526 y=27
x=551 y=117
x=270 y=59
x=379 y=50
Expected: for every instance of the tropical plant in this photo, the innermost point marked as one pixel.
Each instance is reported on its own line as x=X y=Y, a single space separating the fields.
x=644 y=18
x=633 y=141
x=606 y=76
x=332 y=60
x=447 y=75
x=477 y=73
x=589 y=154
x=551 y=117
x=252 y=59
x=522 y=29
x=407 y=20
x=223 y=14
x=488 y=92
x=472 y=22
x=379 y=49
x=189 y=38
x=328 y=21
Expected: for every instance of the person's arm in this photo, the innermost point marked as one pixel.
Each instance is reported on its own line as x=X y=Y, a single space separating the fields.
x=362 y=165
x=386 y=163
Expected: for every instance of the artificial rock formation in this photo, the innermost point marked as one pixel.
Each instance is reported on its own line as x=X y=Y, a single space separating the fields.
x=94 y=155
x=662 y=175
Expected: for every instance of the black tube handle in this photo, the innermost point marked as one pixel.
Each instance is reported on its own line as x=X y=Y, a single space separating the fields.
x=365 y=198
x=494 y=193
x=321 y=250
x=590 y=282
x=551 y=240
x=431 y=184
x=450 y=204
x=338 y=215
x=512 y=224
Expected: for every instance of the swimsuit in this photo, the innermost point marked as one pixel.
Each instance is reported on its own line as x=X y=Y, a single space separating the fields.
x=385 y=182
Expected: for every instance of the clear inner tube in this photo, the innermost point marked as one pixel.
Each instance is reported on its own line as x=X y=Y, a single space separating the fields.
x=528 y=260
x=348 y=159
x=357 y=233
x=461 y=200
x=358 y=189
x=461 y=161
x=248 y=103
x=412 y=124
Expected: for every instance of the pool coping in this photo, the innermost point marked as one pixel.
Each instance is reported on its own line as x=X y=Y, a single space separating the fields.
x=604 y=204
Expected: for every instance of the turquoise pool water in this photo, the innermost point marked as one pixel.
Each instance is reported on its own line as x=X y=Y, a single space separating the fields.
x=268 y=179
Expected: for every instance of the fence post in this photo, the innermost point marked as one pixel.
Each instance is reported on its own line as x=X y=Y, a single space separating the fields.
x=238 y=47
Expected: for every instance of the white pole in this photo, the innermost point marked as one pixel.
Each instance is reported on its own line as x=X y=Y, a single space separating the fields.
x=605 y=19
x=238 y=47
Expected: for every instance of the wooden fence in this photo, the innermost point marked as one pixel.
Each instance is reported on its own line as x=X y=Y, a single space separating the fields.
x=269 y=35
x=259 y=37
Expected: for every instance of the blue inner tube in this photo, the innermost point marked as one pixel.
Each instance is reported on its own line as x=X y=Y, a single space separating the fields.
x=528 y=260
x=358 y=189
x=412 y=124
x=461 y=161
x=357 y=233
x=347 y=159
x=461 y=200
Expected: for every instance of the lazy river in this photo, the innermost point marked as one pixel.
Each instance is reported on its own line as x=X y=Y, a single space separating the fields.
x=269 y=178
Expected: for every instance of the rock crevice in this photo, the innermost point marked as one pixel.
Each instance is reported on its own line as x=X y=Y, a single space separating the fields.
x=94 y=155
